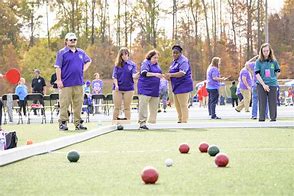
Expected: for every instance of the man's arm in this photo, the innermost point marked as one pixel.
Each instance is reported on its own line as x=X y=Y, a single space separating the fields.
x=86 y=66
x=58 y=76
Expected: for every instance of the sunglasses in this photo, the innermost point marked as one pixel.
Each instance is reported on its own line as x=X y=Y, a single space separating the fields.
x=73 y=40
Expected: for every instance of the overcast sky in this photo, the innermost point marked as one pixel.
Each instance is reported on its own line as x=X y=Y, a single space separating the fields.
x=274 y=6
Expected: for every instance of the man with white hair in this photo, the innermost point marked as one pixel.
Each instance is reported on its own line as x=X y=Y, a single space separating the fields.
x=71 y=63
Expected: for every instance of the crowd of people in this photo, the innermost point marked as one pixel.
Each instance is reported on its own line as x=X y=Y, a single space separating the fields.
x=257 y=83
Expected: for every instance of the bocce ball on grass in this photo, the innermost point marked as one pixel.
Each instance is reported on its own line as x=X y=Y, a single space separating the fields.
x=29 y=142
x=120 y=127
x=203 y=147
x=149 y=175
x=221 y=160
x=169 y=162
x=213 y=150
x=184 y=148
x=73 y=156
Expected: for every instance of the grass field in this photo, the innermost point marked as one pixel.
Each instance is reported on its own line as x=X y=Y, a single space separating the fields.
x=261 y=163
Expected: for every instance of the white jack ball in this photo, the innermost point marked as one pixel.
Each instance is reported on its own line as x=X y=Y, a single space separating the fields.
x=169 y=162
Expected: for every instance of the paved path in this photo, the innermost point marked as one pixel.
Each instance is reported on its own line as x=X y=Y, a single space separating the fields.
x=196 y=115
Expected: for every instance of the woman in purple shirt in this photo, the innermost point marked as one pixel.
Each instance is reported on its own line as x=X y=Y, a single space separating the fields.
x=213 y=83
x=148 y=89
x=123 y=76
x=182 y=84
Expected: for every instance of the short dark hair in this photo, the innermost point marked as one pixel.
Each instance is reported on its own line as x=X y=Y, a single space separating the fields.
x=233 y=83
x=178 y=48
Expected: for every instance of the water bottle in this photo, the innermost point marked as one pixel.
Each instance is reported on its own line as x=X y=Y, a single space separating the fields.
x=2 y=141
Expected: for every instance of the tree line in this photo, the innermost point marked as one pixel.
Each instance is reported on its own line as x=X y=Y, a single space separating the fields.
x=231 y=29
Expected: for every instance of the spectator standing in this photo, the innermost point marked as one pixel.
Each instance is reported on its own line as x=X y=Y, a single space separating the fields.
x=71 y=63
x=124 y=73
x=267 y=71
x=181 y=81
x=21 y=91
x=213 y=79
x=148 y=89
x=38 y=86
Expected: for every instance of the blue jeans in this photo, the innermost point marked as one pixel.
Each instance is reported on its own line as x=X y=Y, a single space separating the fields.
x=212 y=101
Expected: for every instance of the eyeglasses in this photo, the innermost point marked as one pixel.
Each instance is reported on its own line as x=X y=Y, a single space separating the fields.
x=72 y=40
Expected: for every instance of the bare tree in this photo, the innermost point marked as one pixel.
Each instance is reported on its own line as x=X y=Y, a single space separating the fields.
x=207 y=29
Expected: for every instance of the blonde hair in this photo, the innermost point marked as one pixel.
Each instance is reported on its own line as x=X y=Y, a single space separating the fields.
x=271 y=55
x=215 y=61
x=22 y=80
x=119 y=61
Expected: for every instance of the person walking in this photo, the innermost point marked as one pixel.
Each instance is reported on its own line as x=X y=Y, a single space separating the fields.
x=163 y=94
x=234 y=96
x=245 y=79
x=181 y=81
x=71 y=63
x=148 y=89
x=124 y=73
x=213 y=79
x=267 y=70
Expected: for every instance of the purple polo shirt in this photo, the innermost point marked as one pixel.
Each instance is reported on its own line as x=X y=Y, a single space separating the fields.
x=149 y=85
x=72 y=66
x=97 y=86
x=124 y=76
x=245 y=73
x=183 y=84
x=211 y=73
x=254 y=79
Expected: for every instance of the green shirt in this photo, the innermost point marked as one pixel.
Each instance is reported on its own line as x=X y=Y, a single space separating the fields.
x=233 y=90
x=268 y=71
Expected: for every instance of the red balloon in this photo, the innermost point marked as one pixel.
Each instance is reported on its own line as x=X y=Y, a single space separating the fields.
x=13 y=76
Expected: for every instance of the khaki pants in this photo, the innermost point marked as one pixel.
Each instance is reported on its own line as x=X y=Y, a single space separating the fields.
x=245 y=101
x=181 y=103
x=67 y=96
x=144 y=101
x=126 y=97
x=205 y=101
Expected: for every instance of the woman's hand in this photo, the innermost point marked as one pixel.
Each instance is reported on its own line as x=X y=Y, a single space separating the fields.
x=266 y=88
x=167 y=76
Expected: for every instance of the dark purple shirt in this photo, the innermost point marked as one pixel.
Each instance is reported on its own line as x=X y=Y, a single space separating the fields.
x=124 y=76
x=183 y=84
x=72 y=66
x=149 y=86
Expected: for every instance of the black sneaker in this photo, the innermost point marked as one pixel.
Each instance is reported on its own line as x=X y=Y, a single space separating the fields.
x=215 y=118
x=144 y=127
x=63 y=127
x=81 y=127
